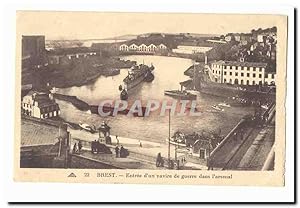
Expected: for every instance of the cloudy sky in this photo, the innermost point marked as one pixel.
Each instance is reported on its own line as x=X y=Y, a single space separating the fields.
x=93 y=25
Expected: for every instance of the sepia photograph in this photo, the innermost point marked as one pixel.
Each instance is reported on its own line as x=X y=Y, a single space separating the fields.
x=151 y=95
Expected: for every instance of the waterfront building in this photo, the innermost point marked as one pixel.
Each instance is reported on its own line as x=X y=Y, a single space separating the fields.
x=143 y=48
x=216 y=41
x=33 y=50
x=228 y=38
x=152 y=48
x=191 y=49
x=237 y=37
x=162 y=47
x=40 y=105
x=133 y=47
x=241 y=73
x=124 y=47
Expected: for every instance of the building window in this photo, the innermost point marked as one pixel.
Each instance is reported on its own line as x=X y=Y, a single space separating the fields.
x=224 y=80
x=236 y=74
x=259 y=75
x=254 y=69
x=230 y=73
x=242 y=74
x=253 y=83
x=254 y=75
x=225 y=73
x=248 y=74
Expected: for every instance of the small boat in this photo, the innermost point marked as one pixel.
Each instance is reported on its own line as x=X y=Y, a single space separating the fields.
x=217 y=108
x=87 y=127
x=224 y=105
x=181 y=94
x=264 y=107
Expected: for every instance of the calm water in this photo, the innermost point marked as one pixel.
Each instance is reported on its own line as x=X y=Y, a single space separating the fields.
x=168 y=73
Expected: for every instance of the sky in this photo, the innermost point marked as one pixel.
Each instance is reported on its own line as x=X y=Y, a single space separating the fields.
x=96 y=25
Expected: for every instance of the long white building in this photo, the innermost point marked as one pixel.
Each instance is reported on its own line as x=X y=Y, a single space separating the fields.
x=241 y=73
x=188 y=49
x=142 y=47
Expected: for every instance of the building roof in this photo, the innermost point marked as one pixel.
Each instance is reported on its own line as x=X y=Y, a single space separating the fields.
x=42 y=98
x=39 y=132
x=237 y=63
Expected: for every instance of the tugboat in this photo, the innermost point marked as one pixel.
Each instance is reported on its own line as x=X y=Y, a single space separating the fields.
x=184 y=95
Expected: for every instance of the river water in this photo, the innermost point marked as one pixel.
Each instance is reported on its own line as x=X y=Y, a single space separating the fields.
x=168 y=73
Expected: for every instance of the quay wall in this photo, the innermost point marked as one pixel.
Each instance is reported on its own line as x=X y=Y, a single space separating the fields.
x=78 y=161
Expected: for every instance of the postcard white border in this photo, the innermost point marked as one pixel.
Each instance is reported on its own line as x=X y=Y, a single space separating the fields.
x=101 y=192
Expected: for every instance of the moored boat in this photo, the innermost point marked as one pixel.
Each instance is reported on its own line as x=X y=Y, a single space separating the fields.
x=224 y=105
x=184 y=95
x=217 y=108
x=87 y=127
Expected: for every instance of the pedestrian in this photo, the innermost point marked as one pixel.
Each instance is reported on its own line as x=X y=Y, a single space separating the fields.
x=94 y=146
x=140 y=143
x=75 y=148
x=98 y=146
x=158 y=160
x=117 y=151
x=79 y=146
x=117 y=140
x=122 y=151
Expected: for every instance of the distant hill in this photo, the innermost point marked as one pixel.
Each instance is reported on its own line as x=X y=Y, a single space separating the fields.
x=124 y=37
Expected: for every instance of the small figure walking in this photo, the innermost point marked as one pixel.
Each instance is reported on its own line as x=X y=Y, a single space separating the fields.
x=117 y=140
x=158 y=160
x=117 y=151
x=75 y=148
x=140 y=143
x=93 y=146
x=122 y=151
x=79 y=146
